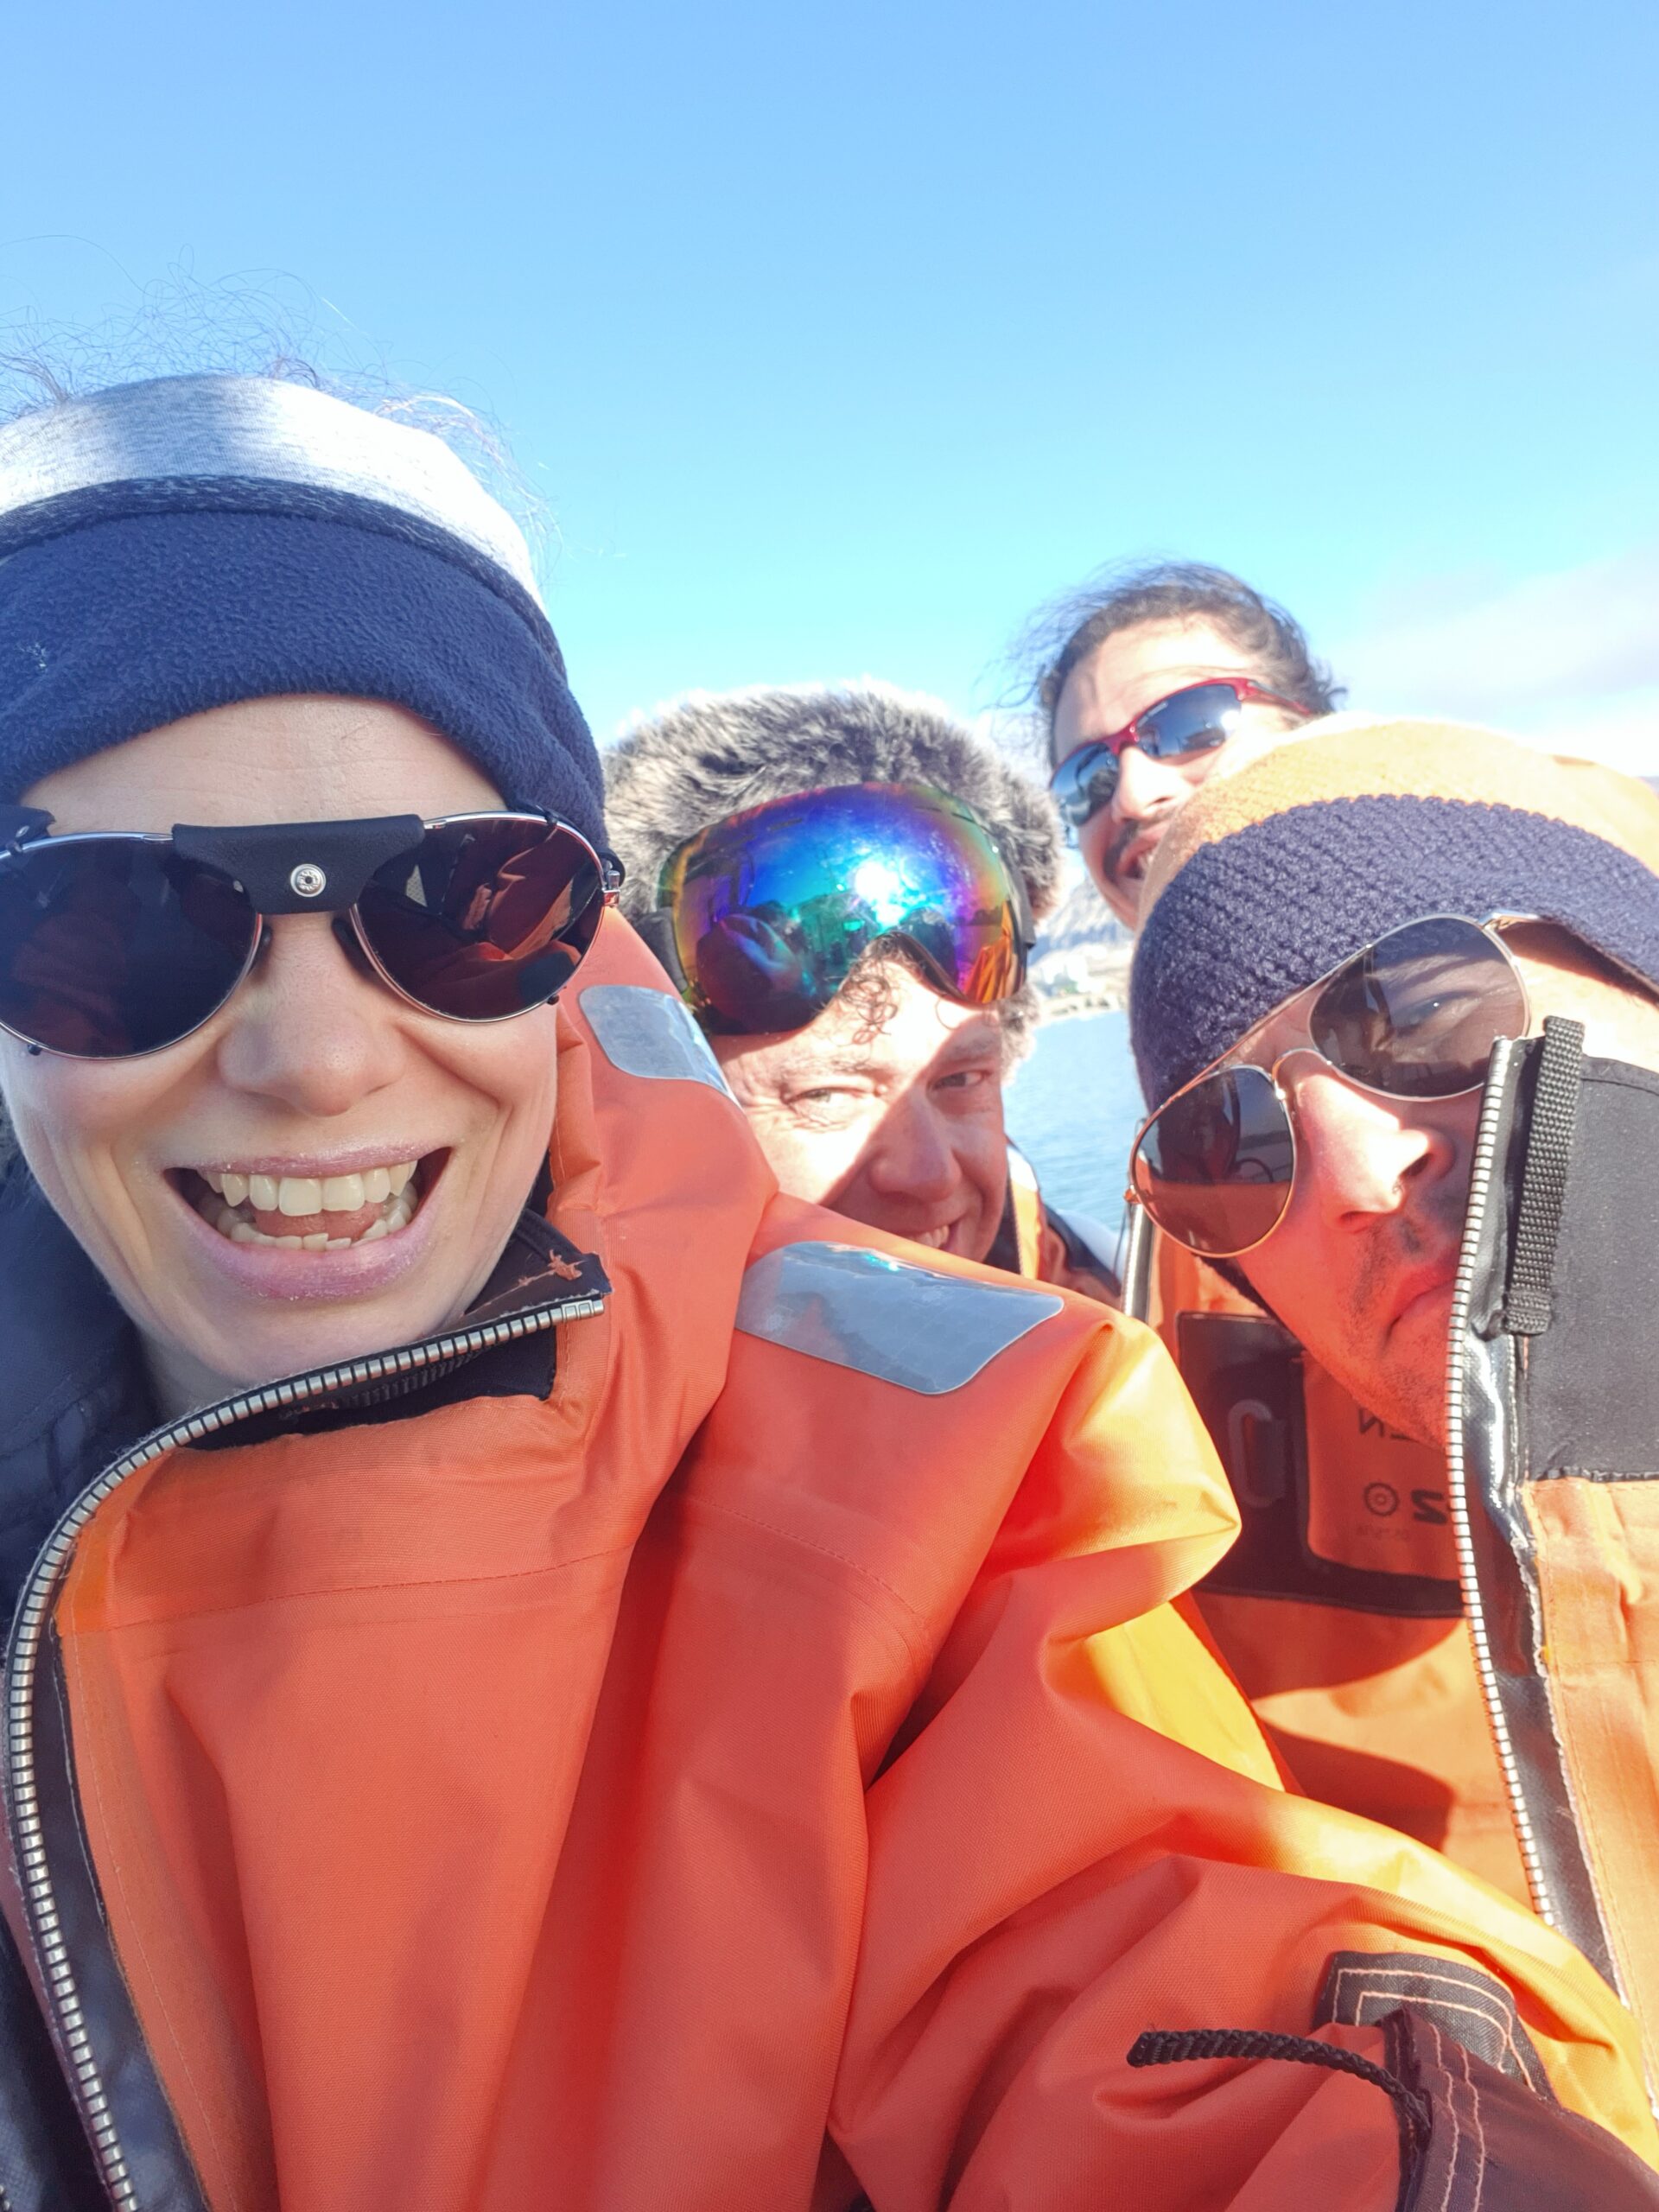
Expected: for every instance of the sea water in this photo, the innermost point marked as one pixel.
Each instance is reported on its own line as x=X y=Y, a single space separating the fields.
x=1073 y=1108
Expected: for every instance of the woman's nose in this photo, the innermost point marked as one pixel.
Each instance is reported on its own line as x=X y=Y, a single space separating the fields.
x=311 y=1027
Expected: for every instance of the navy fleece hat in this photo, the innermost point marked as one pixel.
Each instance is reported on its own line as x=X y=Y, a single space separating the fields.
x=177 y=545
x=1270 y=878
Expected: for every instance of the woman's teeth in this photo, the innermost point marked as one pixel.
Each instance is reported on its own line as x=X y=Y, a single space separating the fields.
x=936 y=1239
x=312 y=1213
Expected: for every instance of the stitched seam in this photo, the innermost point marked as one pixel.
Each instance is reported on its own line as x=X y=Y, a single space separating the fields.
x=1479 y=2128
x=358 y=1590
x=1451 y=2116
x=824 y=1551
x=1498 y=2016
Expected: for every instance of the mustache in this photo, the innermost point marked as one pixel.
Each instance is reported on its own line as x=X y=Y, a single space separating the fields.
x=1112 y=860
x=1432 y=1228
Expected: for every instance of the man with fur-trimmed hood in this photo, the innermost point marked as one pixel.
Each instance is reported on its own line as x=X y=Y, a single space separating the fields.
x=867 y=1031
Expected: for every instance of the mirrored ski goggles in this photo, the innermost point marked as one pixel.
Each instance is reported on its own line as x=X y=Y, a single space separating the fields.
x=113 y=945
x=764 y=915
x=1195 y=719
x=1415 y=1015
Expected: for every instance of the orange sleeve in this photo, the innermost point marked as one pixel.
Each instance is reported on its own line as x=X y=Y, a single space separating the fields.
x=1082 y=1837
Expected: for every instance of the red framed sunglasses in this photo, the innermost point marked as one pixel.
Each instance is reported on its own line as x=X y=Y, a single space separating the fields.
x=1195 y=719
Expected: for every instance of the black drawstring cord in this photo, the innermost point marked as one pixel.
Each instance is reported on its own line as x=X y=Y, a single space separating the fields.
x=1167 y=2046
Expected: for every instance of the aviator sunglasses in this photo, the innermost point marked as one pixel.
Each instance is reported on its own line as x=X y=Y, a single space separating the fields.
x=761 y=917
x=1415 y=1015
x=113 y=945
x=1195 y=719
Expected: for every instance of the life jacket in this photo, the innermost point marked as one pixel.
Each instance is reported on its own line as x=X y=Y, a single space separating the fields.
x=1033 y=1240
x=1555 y=1444
x=719 y=1727
x=1338 y=1609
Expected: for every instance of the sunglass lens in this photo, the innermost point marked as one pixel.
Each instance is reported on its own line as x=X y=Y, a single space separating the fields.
x=1194 y=720
x=1085 y=782
x=484 y=918
x=110 y=946
x=1416 y=1014
x=1213 y=1169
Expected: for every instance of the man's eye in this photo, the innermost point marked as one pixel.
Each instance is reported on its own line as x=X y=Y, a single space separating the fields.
x=964 y=1079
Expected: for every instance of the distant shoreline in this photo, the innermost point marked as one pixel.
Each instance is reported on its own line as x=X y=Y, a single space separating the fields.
x=1091 y=979
x=1064 y=1006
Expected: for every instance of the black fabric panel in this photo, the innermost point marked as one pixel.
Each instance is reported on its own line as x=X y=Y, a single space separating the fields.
x=1491 y=2145
x=1592 y=1378
x=73 y=1392
x=1492 y=1438
x=1246 y=1380
x=1362 y=1987
x=161 y=2168
x=46 y=2165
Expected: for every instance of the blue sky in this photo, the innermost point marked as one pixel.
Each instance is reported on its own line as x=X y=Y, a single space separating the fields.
x=835 y=339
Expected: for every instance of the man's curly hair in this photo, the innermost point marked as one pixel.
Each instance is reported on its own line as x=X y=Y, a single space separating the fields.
x=713 y=754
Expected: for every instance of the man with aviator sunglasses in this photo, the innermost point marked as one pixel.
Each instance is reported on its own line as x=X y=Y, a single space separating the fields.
x=1340 y=943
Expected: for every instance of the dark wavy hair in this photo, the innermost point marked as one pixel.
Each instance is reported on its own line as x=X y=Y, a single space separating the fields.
x=1124 y=598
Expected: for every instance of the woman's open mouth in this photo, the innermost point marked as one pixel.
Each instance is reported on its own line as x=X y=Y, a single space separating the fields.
x=311 y=1213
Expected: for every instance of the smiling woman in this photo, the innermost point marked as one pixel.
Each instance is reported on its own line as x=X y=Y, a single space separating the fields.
x=324 y=1165
x=209 y=1075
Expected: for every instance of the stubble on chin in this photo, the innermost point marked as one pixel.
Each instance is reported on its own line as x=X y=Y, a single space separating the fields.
x=1401 y=1380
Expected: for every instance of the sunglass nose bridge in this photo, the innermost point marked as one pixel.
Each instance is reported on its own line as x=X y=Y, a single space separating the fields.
x=301 y=867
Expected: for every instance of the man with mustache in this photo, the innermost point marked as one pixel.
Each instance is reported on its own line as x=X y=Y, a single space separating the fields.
x=1142 y=678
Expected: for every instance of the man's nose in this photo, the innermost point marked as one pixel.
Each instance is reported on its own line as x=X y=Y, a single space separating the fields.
x=1147 y=787
x=912 y=1156
x=310 y=1028
x=1363 y=1155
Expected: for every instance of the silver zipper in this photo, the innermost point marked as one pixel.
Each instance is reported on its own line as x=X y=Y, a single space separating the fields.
x=21 y=1793
x=1480 y=1184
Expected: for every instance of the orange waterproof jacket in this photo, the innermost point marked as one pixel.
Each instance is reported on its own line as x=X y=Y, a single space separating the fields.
x=1339 y=1609
x=1045 y=1246
x=756 y=1764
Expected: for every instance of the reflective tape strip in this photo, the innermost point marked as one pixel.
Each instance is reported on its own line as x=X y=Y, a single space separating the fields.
x=859 y=1309
x=258 y=428
x=646 y=1032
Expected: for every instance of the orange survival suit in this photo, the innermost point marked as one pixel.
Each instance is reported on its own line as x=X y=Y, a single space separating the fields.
x=1035 y=1241
x=1339 y=1609
x=711 y=1731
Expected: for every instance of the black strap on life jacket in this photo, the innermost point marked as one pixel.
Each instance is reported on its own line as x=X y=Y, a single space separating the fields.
x=1552 y=1121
